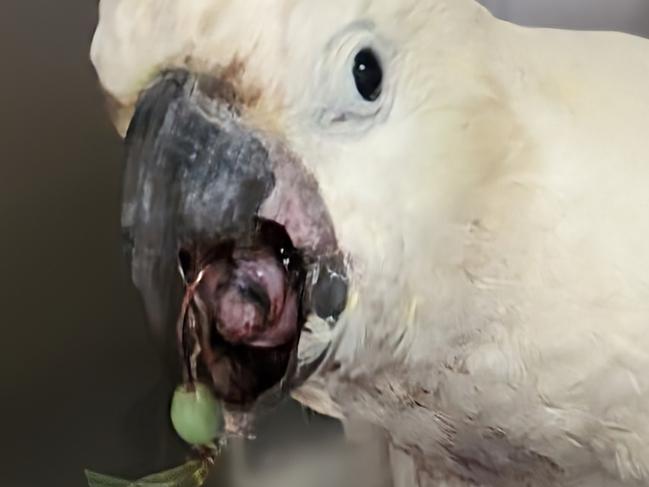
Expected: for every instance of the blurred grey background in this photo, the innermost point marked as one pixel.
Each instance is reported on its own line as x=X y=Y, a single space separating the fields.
x=81 y=383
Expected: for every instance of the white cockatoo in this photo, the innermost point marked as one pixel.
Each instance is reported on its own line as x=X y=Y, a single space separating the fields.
x=408 y=213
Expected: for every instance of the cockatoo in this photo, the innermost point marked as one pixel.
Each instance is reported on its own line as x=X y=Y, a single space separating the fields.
x=409 y=213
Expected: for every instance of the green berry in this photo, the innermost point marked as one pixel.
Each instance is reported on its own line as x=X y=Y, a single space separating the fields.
x=195 y=414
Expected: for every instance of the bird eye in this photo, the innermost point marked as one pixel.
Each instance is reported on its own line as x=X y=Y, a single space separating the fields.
x=368 y=74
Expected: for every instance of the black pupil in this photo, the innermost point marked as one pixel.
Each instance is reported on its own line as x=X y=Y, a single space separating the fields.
x=368 y=74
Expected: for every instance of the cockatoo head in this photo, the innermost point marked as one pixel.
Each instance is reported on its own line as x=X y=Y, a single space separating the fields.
x=297 y=171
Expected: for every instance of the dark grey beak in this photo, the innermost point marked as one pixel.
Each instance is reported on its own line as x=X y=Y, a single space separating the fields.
x=192 y=175
x=205 y=198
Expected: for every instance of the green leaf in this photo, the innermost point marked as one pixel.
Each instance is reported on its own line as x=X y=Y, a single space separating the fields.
x=99 y=480
x=191 y=474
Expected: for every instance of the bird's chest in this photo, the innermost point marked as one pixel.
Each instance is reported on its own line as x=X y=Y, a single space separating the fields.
x=442 y=447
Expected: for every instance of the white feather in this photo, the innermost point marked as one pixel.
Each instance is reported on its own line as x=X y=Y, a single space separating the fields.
x=496 y=218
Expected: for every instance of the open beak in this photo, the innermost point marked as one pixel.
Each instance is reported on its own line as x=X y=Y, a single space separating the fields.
x=229 y=241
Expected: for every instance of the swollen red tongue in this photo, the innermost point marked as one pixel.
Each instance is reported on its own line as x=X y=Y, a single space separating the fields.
x=250 y=300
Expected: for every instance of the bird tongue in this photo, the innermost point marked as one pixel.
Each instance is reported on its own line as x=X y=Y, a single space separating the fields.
x=249 y=298
x=240 y=316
